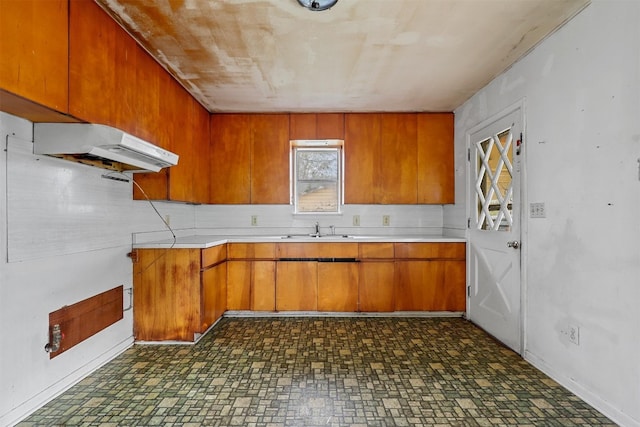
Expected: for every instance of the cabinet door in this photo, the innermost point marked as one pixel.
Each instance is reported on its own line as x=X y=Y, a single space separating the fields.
x=398 y=168
x=362 y=151
x=230 y=159
x=263 y=286
x=376 y=286
x=454 y=286
x=297 y=286
x=316 y=126
x=270 y=159
x=239 y=285
x=330 y=126
x=214 y=302
x=167 y=294
x=34 y=42
x=435 y=158
x=302 y=126
x=338 y=286
x=417 y=283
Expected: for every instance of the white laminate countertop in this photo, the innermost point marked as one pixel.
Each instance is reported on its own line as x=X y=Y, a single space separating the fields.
x=206 y=241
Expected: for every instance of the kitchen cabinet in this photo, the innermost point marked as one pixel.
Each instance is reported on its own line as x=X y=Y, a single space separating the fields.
x=308 y=285
x=376 y=277
x=436 y=170
x=114 y=81
x=178 y=293
x=430 y=277
x=362 y=157
x=397 y=168
x=297 y=286
x=399 y=158
x=250 y=158
x=270 y=159
x=34 y=71
x=251 y=278
x=316 y=126
x=230 y=159
x=338 y=286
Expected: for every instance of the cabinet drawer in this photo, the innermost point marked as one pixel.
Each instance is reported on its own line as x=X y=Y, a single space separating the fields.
x=430 y=250
x=317 y=250
x=375 y=250
x=213 y=255
x=251 y=250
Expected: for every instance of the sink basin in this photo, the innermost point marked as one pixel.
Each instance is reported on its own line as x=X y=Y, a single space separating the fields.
x=321 y=236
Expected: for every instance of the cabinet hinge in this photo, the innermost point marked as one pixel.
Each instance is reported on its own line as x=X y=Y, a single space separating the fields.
x=468 y=291
x=133 y=255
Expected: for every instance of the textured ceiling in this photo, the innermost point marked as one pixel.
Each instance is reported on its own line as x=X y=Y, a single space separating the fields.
x=361 y=55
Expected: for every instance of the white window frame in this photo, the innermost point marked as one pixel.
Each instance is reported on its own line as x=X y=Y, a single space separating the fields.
x=315 y=145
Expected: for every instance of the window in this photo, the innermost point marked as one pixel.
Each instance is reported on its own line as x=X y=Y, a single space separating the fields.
x=316 y=176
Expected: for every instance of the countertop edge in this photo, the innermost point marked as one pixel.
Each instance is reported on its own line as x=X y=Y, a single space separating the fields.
x=204 y=242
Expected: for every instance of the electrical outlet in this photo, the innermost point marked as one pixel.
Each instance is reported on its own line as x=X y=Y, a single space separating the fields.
x=356 y=220
x=254 y=220
x=537 y=210
x=574 y=334
x=386 y=220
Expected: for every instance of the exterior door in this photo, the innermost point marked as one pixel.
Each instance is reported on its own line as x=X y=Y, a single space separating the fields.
x=494 y=228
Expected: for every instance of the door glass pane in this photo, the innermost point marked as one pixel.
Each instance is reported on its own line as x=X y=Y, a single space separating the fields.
x=494 y=192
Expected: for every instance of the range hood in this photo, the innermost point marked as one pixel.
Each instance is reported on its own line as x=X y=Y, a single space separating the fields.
x=101 y=146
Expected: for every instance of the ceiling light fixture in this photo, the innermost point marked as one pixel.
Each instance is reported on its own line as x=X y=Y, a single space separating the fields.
x=317 y=5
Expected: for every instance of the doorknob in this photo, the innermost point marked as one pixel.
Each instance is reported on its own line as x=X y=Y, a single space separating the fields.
x=513 y=244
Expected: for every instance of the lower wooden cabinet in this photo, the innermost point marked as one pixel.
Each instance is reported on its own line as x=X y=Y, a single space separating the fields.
x=180 y=293
x=176 y=297
x=376 y=291
x=338 y=286
x=433 y=285
x=251 y=285
x=297 y=286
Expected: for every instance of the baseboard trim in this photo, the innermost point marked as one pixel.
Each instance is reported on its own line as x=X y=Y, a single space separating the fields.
x=588 y=396
x=248 y=313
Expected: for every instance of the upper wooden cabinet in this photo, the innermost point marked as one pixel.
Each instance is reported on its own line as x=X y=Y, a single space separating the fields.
x=362 y=158
x=398 y=158
x=114 y=81
x=34 y=72
x=436 y=174
x=250 y=158
x=316 y=126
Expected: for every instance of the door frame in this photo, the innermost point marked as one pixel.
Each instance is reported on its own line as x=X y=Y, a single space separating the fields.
x=524 y=225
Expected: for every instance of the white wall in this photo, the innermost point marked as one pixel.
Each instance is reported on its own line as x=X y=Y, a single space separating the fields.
x=581 y=88
x=43 y=202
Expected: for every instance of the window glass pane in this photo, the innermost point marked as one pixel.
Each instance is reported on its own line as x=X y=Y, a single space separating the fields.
x=317 y=179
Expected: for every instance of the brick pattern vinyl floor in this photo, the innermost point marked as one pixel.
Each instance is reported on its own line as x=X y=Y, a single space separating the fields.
x=322 y=372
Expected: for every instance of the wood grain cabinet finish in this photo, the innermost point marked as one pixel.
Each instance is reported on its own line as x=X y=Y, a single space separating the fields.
x=34 y=71
x=250 y=158
x=436 y=169
x=114 y=81
x=430 y=277
x=297 y=286
x=399 y=158
x=176 y=297
x=376 y=277
x=251 y=277
x=316 y=126
x=338 y=286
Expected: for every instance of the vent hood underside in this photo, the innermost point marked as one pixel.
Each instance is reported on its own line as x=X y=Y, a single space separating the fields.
x=100 y=146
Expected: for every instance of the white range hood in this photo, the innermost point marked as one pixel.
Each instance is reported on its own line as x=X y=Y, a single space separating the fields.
x=101 y=146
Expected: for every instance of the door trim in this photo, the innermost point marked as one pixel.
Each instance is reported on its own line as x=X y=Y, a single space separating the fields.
x=524 y=225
